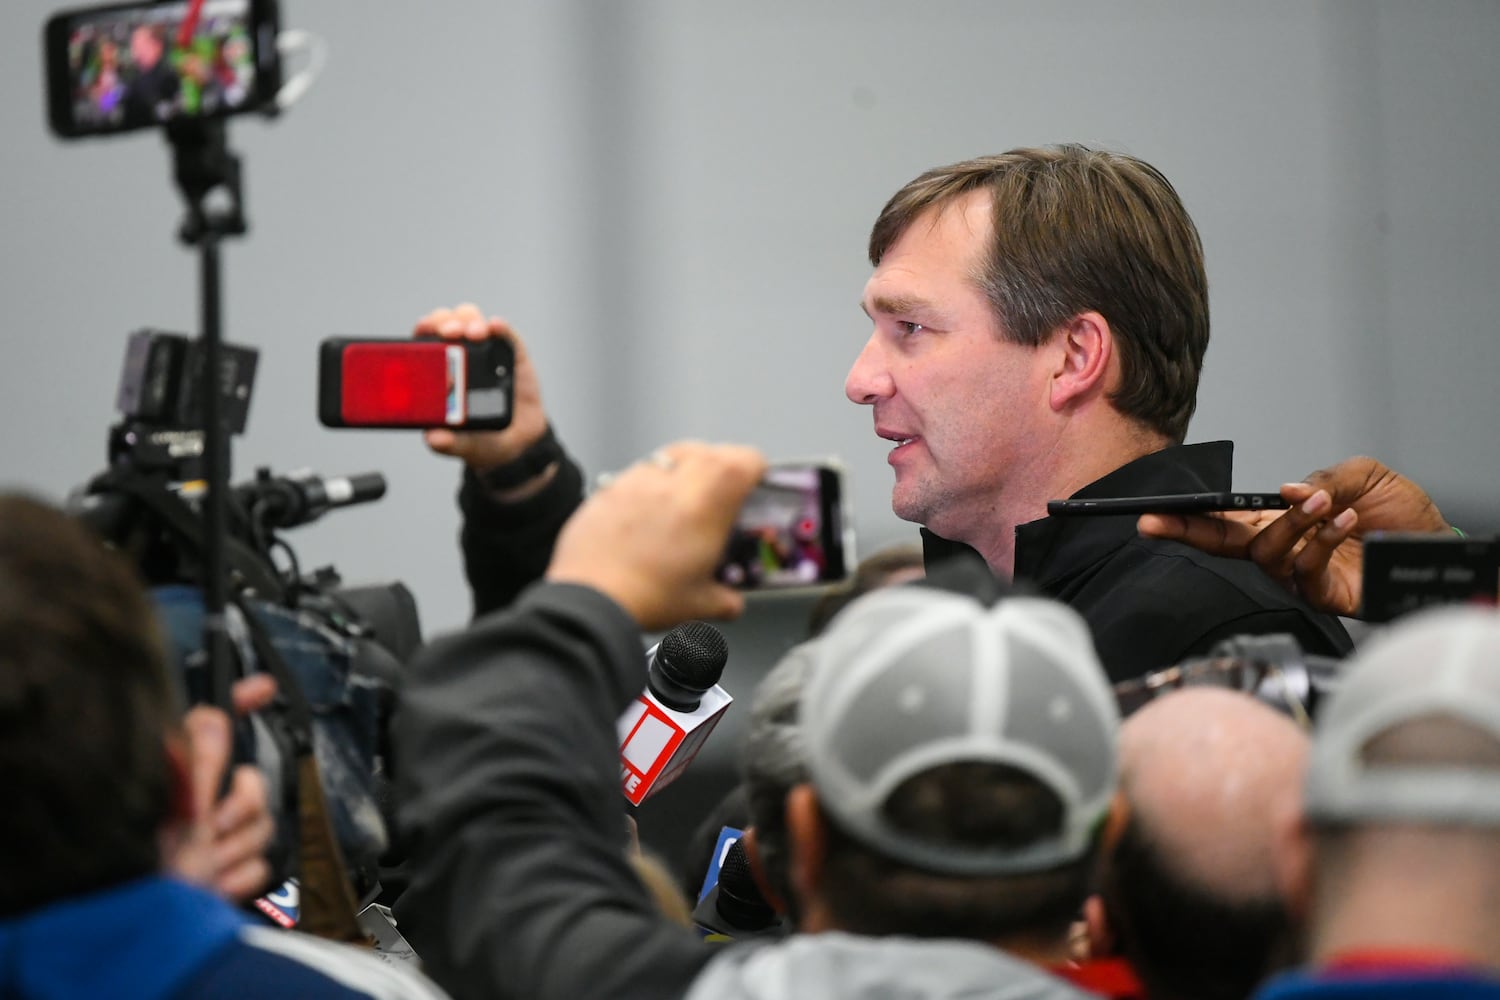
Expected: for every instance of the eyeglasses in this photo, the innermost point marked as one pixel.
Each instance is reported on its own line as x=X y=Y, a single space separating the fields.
x=1281 y=688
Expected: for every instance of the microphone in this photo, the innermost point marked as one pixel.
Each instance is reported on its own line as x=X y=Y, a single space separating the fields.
x=734 y=908
x=304 y=496
x=688 y=661
x=665 y=727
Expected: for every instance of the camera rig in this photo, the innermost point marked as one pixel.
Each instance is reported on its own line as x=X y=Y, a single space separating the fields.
x=165 y=500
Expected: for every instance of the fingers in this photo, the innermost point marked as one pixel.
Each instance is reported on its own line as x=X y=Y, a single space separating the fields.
x=726 y=472
x=210 y=739
x=1276 y=547
x=1228 y=534
x=464 y=322
x=1349 y=480
x=242 y=831
x=651 y=539
x=1311 y=561
x=253 y=693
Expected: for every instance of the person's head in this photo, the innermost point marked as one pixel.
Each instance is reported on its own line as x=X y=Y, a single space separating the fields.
x=87 y=710
x=884 y=568
x=961 y=763
x=1397 y=841
x=1188 y=891
x=773 y=762
x=1016 y=295
x=146 y=45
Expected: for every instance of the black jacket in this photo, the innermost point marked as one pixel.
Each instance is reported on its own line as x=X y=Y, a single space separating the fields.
x=507 y=546
x=509 y=791
x=1151 y=603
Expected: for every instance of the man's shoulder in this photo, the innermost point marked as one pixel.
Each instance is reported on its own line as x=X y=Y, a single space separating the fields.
x=266 y=961
x=1153 y=602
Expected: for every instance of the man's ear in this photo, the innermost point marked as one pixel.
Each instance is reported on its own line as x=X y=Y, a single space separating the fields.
x=1292 y=854
x=751 y=846
x=807 y=843
x=1100 y=932
x=183 y=807
x=1084 y=351
x=1102 y=935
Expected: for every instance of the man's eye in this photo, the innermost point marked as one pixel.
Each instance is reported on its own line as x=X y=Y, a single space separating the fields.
x=908 y=328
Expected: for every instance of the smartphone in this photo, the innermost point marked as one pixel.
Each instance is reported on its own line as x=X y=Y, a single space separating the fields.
x=416 y=382
x=1405 y=572
x=1171 y=503
x=123 y=66
x=793 y=530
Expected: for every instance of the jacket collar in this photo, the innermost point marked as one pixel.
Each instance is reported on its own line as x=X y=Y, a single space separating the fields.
x=1052 y=548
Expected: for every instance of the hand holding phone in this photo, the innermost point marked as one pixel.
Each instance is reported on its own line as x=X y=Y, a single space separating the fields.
x=483 y=450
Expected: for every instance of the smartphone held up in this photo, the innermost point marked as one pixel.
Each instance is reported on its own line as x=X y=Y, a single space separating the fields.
x=123 y=66
x=416 y=383
x=792 y=532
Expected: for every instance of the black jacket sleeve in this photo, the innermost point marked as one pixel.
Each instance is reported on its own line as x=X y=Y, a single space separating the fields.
x=509 y=796
x=507 y=546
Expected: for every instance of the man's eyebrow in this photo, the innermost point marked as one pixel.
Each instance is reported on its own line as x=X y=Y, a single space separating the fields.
x=895 y=305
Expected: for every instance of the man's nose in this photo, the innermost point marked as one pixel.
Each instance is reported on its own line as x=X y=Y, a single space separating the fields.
x=870 y=378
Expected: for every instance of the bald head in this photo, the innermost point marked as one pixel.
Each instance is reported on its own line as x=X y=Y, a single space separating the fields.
x=1202 y=769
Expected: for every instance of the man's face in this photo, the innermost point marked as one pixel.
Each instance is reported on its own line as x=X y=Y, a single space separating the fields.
x=964 y=405
x=144 y=48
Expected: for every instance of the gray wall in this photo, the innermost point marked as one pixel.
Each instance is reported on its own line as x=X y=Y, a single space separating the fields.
x=671 y=198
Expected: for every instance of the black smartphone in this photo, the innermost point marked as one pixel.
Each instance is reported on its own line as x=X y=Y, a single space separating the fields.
x=793 y=530
x=123 y=66
x=1171 y=503
x=416 y=382
x=1405 y=572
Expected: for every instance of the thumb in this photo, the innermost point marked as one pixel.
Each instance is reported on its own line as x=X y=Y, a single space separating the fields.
x=722 y=603
x=1161 y=526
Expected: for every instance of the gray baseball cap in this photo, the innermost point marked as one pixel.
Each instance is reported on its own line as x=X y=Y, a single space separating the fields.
x=1440 y=664
x=911 y=678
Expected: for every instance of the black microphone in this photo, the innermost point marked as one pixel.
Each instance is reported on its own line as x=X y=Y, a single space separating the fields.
x=687 y=662
x=735 y=908
x=663 y=729
x=301 y=497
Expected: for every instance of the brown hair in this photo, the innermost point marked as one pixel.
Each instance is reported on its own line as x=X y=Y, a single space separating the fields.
x=1079 y=229
x=959 y=805
x=85 y=706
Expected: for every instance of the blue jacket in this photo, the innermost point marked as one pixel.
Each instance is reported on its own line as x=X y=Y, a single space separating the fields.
x=1427 y=984
x=160 y=939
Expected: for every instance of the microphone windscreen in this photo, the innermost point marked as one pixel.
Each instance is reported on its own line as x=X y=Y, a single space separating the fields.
x=693 y=655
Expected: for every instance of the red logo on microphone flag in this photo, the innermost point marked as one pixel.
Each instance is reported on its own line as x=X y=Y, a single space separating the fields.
x=650 y=742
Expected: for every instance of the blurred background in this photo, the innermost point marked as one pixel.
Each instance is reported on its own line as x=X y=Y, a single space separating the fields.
x=671 y=198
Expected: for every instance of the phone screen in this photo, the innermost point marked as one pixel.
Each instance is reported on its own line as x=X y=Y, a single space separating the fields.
x=790 y=532
x=121 y=67
x=412 y=383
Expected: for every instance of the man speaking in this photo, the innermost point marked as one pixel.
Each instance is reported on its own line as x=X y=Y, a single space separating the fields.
x=1040 y=319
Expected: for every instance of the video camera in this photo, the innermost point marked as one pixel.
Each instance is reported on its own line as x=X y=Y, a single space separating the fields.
x=339 y=649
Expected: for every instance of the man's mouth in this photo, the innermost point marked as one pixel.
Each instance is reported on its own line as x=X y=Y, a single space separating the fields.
x=902 y=440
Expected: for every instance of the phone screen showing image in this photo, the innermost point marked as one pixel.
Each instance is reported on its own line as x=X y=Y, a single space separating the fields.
x=790 y=531
x=130 y=66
